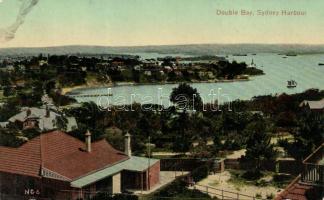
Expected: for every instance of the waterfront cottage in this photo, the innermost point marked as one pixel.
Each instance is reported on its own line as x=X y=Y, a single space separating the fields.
x=58 y=166
x=316 y=106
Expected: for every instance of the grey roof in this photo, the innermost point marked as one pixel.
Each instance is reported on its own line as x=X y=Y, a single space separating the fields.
x=137 y=164
x=32 y=116
x=3 y=124
x=39 y=112
x=71 y=124
x=314 y=104
x=45 y=123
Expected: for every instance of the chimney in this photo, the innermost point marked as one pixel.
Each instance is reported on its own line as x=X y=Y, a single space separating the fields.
x=47 y=112
x=88 y=141
x=28 y=112
x=128 y=150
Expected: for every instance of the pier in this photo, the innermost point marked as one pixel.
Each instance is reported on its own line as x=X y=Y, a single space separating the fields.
x=88 y=95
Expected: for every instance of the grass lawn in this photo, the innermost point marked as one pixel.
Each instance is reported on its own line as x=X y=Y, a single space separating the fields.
x=214 y=183
x=267 y=179
x=2 y=98
x=91 y=76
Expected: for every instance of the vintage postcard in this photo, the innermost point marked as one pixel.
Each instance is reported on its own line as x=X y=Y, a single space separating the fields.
x=161 y=99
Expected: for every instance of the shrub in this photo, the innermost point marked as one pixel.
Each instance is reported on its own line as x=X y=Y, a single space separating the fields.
x=178 y=190
x=261 y=183
x=258 y=196
x=200 y=173
x=124 y=197
x=107 y=196
x=10 y=140
x=31 y=133
x=270 y=196
x=252 y=175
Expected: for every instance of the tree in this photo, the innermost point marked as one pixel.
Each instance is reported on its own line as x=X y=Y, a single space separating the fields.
x=8 y=138
x=31 y=133
x=115 y=137
x=88 y=114
x=10 y=108
x=8 y=91
x=308 y=136
x=181 y=129
x=217 y=143
x=185 y=97
x=61 y=122
x=258 y=146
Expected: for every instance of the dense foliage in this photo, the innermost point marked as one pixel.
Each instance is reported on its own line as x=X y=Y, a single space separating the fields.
x=241 y=124
x=78 y=70
x=178 y=190
x=107 y=196
x=240 y=127
x=258 y=146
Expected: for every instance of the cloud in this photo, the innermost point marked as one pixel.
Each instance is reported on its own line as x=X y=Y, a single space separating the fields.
x=7 y=34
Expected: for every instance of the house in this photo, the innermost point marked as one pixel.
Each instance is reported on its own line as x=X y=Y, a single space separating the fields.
x=148 y=73
x=150 y=63
x=168 y=69
x=10 y=68
x=44 y=118
x=4 y=124
x=42 y=62
x=58 y=166
x=310 y=183
x=315 y=106
x=137 y=68
x=22 y=68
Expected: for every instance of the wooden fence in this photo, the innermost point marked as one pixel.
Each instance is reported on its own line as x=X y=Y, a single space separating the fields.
x=313 y=174
x=180 y=164
x=224 y=194
x=281 y=166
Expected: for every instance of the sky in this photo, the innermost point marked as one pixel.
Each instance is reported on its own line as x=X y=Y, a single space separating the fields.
x=161 y=22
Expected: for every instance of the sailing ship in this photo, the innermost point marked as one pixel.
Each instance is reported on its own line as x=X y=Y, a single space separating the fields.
x=291 y=84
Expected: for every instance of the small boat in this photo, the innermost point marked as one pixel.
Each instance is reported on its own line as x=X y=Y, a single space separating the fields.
x=285 y=57
x=239 y=54
x=291 y=84
x=320 y=64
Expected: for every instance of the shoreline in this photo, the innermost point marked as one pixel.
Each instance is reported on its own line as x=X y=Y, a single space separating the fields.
x=67 y=90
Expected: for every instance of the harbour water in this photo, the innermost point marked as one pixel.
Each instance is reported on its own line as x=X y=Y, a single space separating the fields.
x=302 y=68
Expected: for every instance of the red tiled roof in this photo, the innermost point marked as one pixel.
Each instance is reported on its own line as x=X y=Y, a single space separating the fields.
x=60 y=153
x=295 y=191
x=25 y=160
